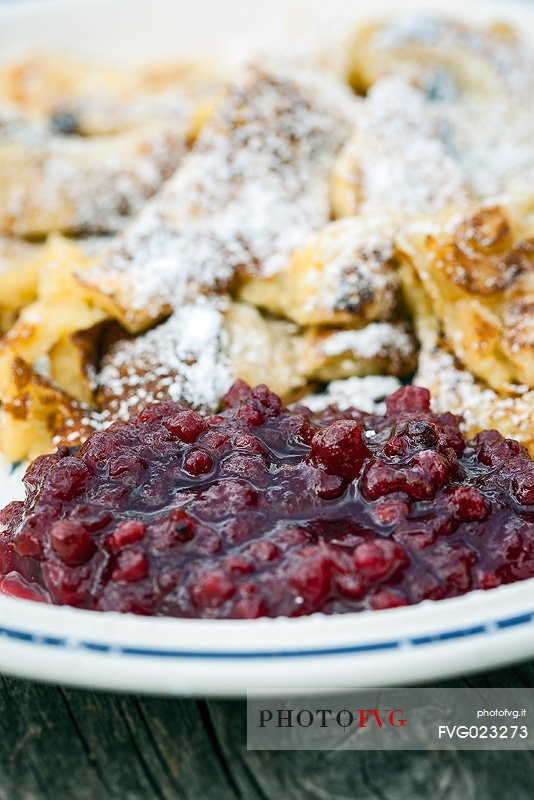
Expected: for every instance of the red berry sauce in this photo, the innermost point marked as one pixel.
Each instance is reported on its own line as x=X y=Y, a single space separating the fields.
x=262 y=511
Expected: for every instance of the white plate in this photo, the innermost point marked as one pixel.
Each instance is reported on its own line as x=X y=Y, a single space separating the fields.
x=167 y=656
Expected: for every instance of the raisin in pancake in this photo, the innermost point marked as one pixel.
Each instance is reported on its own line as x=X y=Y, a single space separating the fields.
x=79 y=97
x=82 y=185
x=444 y=57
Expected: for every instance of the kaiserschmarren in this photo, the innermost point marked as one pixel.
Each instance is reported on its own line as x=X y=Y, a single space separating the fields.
x=268 y=331
x=168 y=229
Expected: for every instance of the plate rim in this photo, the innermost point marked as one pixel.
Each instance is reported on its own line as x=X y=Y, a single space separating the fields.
x=53 y=628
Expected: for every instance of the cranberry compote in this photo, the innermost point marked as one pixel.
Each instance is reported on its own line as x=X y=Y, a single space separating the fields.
x=262 y=511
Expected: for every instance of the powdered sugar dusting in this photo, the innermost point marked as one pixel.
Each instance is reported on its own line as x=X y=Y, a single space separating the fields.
x=468 y=124
x=100 y=115
x=397 y=158
x=510 y=61
x=457 y=390
x=183 y=359
x=376 y=340
x=253 y=188
x=493 y=144
x=356 y=255
x=366 y=394
x=82 y=185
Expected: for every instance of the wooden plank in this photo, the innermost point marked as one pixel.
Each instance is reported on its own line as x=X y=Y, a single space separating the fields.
x=374 y=775
x=63 y=744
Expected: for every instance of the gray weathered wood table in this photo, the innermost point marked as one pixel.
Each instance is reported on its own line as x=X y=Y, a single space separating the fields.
x=65 y=744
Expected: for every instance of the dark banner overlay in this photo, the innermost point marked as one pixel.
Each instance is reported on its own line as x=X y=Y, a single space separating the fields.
x=392 y=719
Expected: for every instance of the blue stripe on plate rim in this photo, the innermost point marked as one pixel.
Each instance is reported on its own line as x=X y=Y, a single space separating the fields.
x=28 y=637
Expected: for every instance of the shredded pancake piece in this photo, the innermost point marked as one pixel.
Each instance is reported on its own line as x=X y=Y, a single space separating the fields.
x=253 y=188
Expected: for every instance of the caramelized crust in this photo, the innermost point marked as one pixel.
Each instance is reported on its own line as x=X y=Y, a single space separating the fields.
x=34 y=411
x=183 y=358
x=453 y=387
x=345 y=275
x=477 y=268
